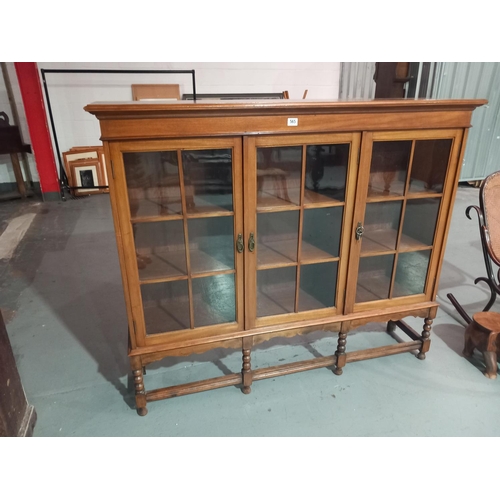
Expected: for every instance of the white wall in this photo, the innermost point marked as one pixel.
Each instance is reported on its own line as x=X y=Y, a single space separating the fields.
x=69 y=93
x=6 y=171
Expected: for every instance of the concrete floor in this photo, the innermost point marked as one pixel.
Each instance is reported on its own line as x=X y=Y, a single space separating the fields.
x=61 y=296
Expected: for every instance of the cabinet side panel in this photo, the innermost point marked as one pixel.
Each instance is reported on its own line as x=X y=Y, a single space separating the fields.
x=119 y=241
x=451 y=186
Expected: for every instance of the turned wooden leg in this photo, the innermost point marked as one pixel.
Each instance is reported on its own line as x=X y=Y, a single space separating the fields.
x=340 y=353
x=140 y=393
x=246 y=371
x=490 y=359
x=426 y=332
x=469 y=343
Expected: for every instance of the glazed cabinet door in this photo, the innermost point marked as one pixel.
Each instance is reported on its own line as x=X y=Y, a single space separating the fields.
x=298 y=214
x=180 y=215
x=403 y=198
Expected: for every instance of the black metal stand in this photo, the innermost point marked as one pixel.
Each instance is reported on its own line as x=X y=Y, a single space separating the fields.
x=63 y=180
x=490 y=279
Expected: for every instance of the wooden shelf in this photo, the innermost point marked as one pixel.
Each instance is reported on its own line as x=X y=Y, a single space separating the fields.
x=276 y=253
x=161 y=265
x=381 y=240
x=204 y=262
x=369 y=289
x=378 y=198
x=280 y=299
x=215 y=211
x=409 y=244
x=283 y=254
x=267 y=202
x=376 y=242
x=168 y=315
x=311 y=254
x=312 y=198
x=197 y=215
x=170 y=265
x=148 y=209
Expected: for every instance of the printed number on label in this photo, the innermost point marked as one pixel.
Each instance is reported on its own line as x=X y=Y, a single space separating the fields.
x=293 y=122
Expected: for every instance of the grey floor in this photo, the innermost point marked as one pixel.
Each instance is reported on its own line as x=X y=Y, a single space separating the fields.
x=62 y=298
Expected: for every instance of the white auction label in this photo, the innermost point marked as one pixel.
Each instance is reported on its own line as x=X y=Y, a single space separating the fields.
x=293 y=122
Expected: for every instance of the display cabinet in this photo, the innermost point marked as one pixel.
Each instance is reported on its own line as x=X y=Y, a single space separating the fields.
x=240 y=221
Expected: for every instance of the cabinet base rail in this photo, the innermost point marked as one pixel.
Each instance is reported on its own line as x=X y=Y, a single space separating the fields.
x=247 y=376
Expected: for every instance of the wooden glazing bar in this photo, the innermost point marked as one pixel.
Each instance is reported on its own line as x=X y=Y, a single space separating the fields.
x=401 y=219
x=297 y=366
x=184 y=277
x=193 y=387
x=159 y=218
x=261 y=267
x=279 y=208
x=382 y=198
x=409 y=196
x=424 y=194
x=376 y=253
x=324 y=204
x=379 y=352
x=186 y=237
x=214 y=213
x=301 y=223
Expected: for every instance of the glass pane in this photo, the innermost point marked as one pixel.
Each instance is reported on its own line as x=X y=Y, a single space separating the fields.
x=277 y=236
x=321 y=233
x=411 y=272
x=430 y=161
x=208 y=180
x=374 y=278
x=160 y=249
x=166 y=306
x=389 y=168
x=211 y=244
x=381 y=226
x=214 y=300
x=420 y=223
x=326 y=170
x=276 y=291
x=318 y=284
x=278 y=176
x=152 y=183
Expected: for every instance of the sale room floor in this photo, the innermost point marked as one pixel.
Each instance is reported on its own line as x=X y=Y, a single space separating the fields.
x=61 y=297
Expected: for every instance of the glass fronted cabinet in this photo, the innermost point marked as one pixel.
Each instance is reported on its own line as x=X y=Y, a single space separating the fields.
x=182 y=213
x=296 y=212
x=241 y=221
x=399 y=220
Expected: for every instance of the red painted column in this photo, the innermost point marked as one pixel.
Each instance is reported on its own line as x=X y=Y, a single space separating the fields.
x=34 y=107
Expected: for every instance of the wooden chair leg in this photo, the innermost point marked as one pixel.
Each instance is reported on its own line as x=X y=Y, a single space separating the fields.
x=469 y=343
x=490 y=359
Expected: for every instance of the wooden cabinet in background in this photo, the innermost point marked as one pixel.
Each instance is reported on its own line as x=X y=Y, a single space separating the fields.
x=240 y=221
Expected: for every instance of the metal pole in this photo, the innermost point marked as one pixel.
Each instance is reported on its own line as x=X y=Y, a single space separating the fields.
x=62 y=174
x=194 y=88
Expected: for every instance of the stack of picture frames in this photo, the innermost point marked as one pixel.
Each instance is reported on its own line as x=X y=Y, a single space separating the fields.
x=85 y=168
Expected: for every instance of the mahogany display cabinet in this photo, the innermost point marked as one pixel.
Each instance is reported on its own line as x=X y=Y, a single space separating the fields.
x=240 y=221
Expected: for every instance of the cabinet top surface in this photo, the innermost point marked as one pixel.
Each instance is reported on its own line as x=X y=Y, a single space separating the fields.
x=276 y=106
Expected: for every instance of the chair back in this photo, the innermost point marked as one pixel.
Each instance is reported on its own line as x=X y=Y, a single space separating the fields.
x=490 y=201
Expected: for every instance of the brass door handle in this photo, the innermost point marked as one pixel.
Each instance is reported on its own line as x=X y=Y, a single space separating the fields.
x=359 y=231
x=251 y=243
x=239 y=243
